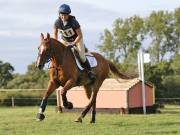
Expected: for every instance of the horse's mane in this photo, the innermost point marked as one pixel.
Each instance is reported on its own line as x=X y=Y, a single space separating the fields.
x=57 y=41
x=67 y=49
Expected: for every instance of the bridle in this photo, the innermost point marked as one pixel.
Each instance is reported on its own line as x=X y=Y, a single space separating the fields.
x=47 y=57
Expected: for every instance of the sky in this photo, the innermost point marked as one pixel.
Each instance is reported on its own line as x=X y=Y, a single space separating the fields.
x=22 y=21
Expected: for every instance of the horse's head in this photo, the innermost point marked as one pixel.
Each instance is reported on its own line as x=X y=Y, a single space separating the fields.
x=45 y=51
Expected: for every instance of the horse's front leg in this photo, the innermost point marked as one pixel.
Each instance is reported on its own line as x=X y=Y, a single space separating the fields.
x=68 y=85
x=51 y=87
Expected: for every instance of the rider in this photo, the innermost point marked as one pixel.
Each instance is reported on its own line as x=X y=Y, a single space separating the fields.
x=71 y=33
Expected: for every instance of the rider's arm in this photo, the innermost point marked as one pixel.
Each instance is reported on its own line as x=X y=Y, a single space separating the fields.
x=56 y=33
x=79 y=37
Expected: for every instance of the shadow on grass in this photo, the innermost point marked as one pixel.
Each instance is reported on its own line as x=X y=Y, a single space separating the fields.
x=124 y=124
x=170 y=112
x=161 y=132
x=169 y=123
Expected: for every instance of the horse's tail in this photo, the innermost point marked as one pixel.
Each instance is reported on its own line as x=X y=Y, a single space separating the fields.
x=118 y=73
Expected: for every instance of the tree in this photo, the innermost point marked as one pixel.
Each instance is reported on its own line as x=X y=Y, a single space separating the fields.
x=136 y=35
x=175 y=65
x=128 y=35
x=160 y=28
x=6 y=70
x=122 y=43
x=156 y=74
x=176 y=34
x=33 y=79
x=108 y=48
x=171 y=85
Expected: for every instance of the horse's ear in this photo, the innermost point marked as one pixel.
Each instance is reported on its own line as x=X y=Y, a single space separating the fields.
x=48 y=36
x=42 y=36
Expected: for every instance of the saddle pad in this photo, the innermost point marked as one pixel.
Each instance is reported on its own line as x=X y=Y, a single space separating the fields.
x=92 y=60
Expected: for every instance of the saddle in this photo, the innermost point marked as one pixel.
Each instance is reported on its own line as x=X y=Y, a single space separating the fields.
x=89 y=56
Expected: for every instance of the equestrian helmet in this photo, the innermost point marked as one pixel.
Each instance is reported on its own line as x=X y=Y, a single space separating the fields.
x=64 y=9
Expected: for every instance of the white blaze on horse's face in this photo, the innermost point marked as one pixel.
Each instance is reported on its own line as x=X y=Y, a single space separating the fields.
x=40 y=62
x=41 y=49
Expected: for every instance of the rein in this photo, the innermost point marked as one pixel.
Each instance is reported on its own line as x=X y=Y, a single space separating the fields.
x=51 y=53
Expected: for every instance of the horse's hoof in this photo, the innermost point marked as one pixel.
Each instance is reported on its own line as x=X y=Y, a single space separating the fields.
x=69 y=105
x=40 y=117
x=92 y=122
x=79 y=120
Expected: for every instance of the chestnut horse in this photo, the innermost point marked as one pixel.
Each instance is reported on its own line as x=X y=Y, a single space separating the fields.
x=64 y=72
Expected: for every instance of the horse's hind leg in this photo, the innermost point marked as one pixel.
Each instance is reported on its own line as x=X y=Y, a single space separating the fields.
x=92 y=103
x=93 y=113
x=51 y=87
x=88 y=107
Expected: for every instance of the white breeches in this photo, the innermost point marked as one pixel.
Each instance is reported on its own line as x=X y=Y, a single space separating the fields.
x=79 y=47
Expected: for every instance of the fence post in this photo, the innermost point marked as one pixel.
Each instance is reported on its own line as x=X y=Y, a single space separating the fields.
x=141 y=70
x=12 y=101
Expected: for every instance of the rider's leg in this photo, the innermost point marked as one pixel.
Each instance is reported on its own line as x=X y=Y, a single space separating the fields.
x=81 y=50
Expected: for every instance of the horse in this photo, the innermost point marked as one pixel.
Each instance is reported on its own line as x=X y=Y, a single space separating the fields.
x=64 y=72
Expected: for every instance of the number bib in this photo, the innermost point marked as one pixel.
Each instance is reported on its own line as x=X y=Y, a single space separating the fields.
x=68 y=31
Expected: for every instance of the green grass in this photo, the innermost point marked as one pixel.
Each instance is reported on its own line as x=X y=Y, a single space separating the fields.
x=21 y=121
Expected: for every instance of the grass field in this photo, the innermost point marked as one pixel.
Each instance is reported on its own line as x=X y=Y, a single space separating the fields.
x=21 y=121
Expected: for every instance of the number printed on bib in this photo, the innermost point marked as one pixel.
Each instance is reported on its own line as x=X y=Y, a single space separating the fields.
x=68 y=32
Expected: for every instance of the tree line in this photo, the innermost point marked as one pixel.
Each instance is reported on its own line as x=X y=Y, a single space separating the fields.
x=32 y=79
x=157 y=34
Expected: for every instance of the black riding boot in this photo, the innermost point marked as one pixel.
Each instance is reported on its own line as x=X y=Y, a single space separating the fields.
x=87 y=67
